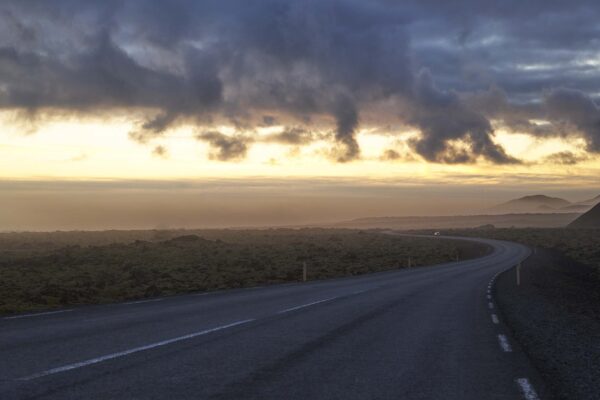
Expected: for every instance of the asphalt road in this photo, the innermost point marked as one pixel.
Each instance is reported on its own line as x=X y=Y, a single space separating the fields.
x=422 y=333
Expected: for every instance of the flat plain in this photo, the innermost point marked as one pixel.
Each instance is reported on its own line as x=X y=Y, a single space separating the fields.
x=41 y=271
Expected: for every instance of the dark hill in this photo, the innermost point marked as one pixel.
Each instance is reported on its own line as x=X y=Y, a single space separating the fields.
x=531 y=204
x=590 y=219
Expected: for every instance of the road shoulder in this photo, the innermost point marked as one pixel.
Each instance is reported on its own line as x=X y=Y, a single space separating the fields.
x=555 y=316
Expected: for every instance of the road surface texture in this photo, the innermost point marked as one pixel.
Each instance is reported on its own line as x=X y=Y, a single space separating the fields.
x=422 y=333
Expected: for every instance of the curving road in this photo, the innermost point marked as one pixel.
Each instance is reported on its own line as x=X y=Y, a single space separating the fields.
x=423 y=333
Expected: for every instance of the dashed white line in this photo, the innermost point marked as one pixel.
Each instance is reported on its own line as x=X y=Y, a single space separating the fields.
x=490 y=305
x=489 y=296
x=305 y=305
x=527 y=389
x=504 y=343
x=495 y=319
x=37 y=314
x=130 y=351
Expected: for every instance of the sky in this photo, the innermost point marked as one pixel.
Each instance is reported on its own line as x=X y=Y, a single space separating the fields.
x=142 y=114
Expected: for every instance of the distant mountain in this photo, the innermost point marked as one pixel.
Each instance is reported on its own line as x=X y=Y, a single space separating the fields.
x=532 y=204
x=590 y=219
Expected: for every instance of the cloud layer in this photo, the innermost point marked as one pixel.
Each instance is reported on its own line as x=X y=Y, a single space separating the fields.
x=451 y=72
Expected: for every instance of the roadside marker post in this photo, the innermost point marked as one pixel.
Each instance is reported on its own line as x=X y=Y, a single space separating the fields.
x=304 y=271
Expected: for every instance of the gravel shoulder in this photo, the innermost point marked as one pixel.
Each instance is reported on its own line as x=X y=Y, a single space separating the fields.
x=555 y=315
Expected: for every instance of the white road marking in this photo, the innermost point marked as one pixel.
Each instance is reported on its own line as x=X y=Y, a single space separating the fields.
x=37 y=315
x=490 y=305
x=130 y=351
x=143 y=301
x=305 y=305
x=527 y=389
x=489 y=296
x=495 y=319
x=504 y=343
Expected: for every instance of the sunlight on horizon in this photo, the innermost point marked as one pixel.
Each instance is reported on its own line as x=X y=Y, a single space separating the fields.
x=100 y=148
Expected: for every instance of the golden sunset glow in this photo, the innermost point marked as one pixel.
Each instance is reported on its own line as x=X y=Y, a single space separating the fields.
x=100 y=149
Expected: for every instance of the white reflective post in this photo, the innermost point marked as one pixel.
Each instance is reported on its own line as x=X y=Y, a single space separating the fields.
x=304 y=271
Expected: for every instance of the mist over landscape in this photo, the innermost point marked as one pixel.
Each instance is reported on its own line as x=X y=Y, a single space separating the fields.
x=136 y=204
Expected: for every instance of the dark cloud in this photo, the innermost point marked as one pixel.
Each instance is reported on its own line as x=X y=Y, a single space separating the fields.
x=291 y=136
x=186 y=59
x=269 y=120
x=347 y=121
x=523 y=47
x=566 y=158
x=235 y=147
x=153 y=127
x=575 y=107
x=390 y=155
x=270 y=62
x=160 y=151
x=446 y=123
x=397 y=154
x=226 y=148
